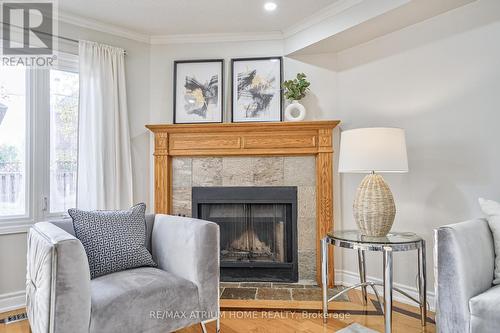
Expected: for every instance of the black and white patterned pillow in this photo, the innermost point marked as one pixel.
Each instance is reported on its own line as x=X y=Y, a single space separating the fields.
x=113 y=240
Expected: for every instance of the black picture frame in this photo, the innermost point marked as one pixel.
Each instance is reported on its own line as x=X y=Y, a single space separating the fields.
x=233 y=91
x=221 y=90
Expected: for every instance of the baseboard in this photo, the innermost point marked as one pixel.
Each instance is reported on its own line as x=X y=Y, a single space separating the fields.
x=348 y=278
x=12 y=301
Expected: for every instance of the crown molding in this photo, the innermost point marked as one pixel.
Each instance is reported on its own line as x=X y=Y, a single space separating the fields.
x=321 y=15
x=215 y=37
x=103 y=27
x=167 y=39
x=318 y=17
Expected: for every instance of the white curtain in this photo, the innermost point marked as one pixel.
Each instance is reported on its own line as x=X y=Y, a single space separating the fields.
x=104 y=158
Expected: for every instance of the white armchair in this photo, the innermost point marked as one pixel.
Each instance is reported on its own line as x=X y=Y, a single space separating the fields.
x=467 y=301
x=182 y=291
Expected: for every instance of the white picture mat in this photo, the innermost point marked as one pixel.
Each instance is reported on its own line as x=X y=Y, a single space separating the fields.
x=265 y=68
x=203 y=72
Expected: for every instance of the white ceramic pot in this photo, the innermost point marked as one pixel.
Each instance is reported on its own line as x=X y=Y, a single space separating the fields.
x=295 y=111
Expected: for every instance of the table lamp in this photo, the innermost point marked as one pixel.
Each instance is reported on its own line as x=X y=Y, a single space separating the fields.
x=373 y=150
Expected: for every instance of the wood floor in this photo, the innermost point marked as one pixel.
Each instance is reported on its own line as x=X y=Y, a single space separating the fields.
x=244 y=316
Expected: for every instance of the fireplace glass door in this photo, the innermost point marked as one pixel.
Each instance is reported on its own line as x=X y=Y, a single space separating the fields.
x=250 y=232
x=258 y=230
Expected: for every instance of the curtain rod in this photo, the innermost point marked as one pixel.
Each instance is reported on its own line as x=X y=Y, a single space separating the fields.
x=75 y=41
x=72 y=40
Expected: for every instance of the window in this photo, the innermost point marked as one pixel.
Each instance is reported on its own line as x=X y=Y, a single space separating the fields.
x=38 y=140
x=63 y=139
x=13 y=141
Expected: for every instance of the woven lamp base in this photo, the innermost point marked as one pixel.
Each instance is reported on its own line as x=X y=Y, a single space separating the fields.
x=374 y=208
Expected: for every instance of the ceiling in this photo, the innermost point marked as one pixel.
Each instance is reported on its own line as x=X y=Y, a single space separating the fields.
x=171 y=17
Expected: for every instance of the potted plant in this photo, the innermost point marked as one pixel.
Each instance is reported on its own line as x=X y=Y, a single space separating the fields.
x=295 y=90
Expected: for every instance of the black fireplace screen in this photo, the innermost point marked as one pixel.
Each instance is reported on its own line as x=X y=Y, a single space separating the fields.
x=258 y=230
x=251 y=231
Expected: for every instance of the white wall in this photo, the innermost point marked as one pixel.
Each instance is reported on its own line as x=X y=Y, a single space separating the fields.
x=320 y=71
x=12 y=263
x=440 y=80
x=162 y=68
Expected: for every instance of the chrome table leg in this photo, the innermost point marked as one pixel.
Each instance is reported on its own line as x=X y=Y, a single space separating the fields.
x=422 y=283
x=324 y=277
x=388 y=289
x=362 y=274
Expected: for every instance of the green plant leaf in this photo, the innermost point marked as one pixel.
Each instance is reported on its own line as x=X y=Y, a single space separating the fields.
x=297 y=88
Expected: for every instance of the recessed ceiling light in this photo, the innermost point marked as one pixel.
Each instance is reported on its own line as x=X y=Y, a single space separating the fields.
x=270 y=6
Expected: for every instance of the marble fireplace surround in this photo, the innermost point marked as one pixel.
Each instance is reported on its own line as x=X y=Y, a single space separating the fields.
x=299 y=171
x=262 y=146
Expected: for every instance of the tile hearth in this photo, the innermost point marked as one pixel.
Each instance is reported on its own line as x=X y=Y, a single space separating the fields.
x=276 y=291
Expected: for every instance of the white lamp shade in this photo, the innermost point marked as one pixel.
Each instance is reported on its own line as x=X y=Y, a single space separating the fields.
x=378 y=149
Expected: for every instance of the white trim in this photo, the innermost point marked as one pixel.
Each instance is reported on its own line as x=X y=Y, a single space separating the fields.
x=15 y=228
x=88 y=23
x=348 y=278
x=12 y=301
x=168 y=38
x=40 y=104
x=323 y=14
x=307 y=22
x=215 y=37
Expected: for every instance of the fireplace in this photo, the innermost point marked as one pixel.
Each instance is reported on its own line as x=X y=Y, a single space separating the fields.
x=258 y=230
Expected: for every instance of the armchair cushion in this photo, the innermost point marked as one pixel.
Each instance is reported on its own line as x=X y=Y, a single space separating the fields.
x=142 y=300
x=113 y=240
x=484 y=311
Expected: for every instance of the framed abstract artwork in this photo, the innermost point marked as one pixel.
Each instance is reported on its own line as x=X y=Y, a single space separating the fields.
x=198 y=91
x=256 y=89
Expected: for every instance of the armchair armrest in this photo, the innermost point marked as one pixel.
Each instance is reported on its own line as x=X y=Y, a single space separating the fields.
x=464 y=265
x=57 y=281
x=189 y=248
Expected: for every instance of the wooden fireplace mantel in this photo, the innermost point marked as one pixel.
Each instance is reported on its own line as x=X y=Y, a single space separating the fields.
x=251 y=139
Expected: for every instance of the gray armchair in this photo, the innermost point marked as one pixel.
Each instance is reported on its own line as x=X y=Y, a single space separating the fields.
x=467 y=301
x=182 y=291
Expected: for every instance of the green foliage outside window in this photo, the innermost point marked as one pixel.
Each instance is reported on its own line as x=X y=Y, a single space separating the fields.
x=8 y=157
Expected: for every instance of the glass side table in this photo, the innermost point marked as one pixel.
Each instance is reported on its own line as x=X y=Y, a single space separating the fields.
x=393 y=242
